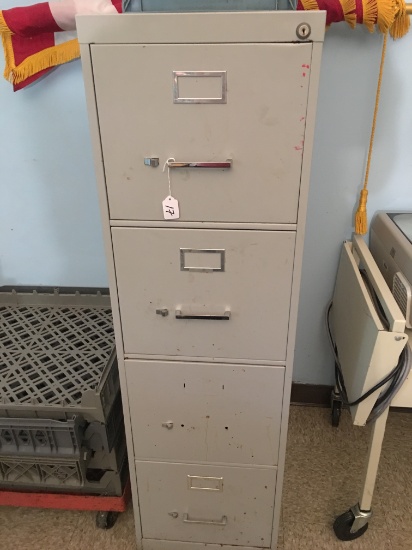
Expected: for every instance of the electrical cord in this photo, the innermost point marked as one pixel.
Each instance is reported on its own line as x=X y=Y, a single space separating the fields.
x=339 y=375
x=385 y=400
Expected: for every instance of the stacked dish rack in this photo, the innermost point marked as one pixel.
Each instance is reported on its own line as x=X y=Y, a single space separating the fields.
x=61 y=418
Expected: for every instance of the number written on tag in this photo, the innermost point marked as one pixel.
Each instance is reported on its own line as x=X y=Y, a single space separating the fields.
x=170 y=208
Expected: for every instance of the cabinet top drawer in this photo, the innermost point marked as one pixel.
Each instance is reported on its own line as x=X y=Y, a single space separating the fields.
x=233 y=118
x=181 y=28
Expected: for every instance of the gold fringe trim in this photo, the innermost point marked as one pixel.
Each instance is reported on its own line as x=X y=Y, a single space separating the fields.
x=402 y=22
x=351 y=19
x=310 y=5
x=349 y=12
x=386 y=14
x=8 y=55
x=3 y=25
x=370 y=14
x=45 y=59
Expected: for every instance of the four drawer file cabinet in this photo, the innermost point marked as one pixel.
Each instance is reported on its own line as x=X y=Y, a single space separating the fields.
x=215 y=110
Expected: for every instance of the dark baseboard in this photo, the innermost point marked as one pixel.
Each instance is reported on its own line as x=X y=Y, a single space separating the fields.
x=316 y=395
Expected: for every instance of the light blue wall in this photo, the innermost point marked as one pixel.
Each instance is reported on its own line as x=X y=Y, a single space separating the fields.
x=49 y=220
x=50 y=230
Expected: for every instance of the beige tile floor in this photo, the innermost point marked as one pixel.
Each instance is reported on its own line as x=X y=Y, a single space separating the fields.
x=323 y=478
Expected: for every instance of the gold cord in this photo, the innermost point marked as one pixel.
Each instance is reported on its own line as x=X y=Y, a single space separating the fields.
x=361 y=221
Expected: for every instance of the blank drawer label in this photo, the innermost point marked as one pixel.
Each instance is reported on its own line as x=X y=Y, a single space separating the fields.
x=205 y=483
x=202 y=259
x=199 y=86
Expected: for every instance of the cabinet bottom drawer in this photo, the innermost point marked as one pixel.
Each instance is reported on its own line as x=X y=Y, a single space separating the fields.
x=222 y=505
x=151 y=544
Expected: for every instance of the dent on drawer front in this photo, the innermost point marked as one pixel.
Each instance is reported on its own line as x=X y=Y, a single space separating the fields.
x=205 y=412
x=228 y=505
x=236 y=310
x=203 y=103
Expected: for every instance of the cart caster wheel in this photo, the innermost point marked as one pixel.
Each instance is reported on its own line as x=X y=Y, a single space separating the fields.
x=336 y=412
x=106 y=520
x=343 y=524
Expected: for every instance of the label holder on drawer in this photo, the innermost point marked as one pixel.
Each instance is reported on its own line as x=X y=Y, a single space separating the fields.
x=199 y=483
x=199 y=74
x=195 y=252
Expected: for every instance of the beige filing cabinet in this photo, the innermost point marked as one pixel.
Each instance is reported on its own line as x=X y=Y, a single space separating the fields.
x=205 y=305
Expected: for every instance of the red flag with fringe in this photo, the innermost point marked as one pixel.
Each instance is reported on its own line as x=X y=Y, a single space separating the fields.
x=388 y=15
x=39 y=37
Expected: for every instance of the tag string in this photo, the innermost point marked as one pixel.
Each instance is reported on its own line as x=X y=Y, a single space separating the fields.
x=168 y=173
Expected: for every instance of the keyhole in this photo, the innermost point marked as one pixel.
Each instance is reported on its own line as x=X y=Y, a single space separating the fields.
x=303 y=31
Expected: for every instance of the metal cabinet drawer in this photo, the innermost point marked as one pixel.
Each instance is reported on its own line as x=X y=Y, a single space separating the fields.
x=205 y=412
x=203 y=103
x=204 y=293
x=208 y=504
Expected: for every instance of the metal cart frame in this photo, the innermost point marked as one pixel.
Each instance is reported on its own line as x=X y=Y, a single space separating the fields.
x=107 y=507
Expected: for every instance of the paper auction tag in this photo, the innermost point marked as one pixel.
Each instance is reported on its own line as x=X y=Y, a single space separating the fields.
x=170 y=208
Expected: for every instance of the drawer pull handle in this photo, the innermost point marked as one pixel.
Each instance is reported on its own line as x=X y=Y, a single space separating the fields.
x=205 y=316
x=168 y=424
x=222 y=522
x=226 y=164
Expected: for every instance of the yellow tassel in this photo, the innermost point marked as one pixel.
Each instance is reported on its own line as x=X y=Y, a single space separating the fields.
x=310 y=5
x=45 y=59
x=400 y=26
x=349 y=9
x=361 y=218
x=402 y=23
x=370 y=14
x=3 y=25
x=387 y=10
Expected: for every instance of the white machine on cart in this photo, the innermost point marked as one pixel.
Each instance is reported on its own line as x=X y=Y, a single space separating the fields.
x=391 y=247
x=370 y=338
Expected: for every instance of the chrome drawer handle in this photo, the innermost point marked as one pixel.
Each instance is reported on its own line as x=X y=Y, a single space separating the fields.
x=206 y=316
x=222 y=522
x=175 y=164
